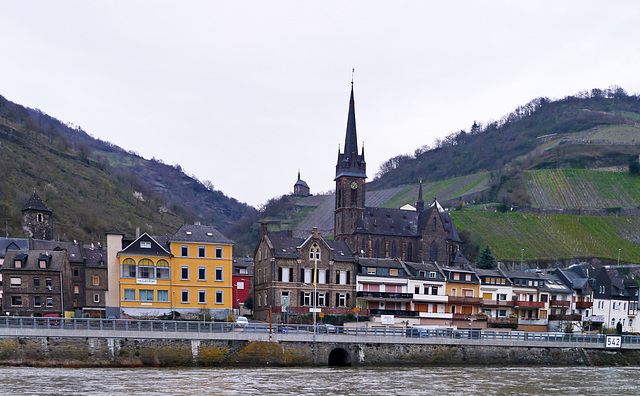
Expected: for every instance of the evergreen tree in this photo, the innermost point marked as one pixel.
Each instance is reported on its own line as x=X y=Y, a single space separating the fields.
x=486 y=260
x=634 y=167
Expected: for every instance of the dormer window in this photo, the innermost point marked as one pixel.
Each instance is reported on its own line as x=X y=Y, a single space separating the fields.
x=371 y=271
x=432 y=274
x=189 y=233
x=210 y=234
x=17 y=263
x=145 y=245
x=42 y=263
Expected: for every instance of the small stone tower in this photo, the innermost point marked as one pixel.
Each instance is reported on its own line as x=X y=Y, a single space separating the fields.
x=37 y=219
x=301 y=188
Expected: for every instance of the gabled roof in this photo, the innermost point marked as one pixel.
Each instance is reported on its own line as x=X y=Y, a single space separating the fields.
x=155 y=249
x=35 y=203
x=285 y=246
x=200 y=234
x=13 y=244
x=414 y=270
x=56 y=260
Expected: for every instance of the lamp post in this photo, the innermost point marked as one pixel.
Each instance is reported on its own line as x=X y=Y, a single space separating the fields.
x=619 y=257
x=173 y=313
x=521 y=258
x=315 y=291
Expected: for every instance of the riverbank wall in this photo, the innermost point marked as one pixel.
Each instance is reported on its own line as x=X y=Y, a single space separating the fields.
x=124 y=352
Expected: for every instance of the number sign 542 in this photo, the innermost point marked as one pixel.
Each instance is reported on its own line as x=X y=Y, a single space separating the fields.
x=613 y=342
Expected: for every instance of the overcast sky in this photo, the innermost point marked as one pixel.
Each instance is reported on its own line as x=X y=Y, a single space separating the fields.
x=245 y=93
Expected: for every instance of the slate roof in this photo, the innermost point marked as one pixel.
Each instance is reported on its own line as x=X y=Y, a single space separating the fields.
x=35 y=203
x=380 y=262
x=350 y=163
x=199 y=233
x=414 y=268
x=13 y=244
x=155 y=249
x=301 y=182
x=286 y=247
x=552 y=284
x=95 y=257
x=57 y=260
x=75 y=250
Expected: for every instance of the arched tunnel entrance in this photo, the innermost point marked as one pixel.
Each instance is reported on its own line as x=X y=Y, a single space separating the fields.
x=339 y=357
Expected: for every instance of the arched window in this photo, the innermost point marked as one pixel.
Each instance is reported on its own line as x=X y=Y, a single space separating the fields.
x=354 y=197
x=314 y=252
x=363 y=251
x=433 y=251
x=376 y=250
x=393 y=249
x=409 y=252
x=128 y=268
x=162 y=269
x=339 y=196
x=145 y=269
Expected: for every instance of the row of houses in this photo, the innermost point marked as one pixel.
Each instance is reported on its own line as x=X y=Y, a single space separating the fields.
x=296 y=276
x=191 y=271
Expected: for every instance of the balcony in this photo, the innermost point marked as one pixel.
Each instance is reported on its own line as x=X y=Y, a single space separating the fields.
x=533 y=321
x=410 y=314
x=503 y=321
x=567 y=318
x=384 y=296
x=498 y=303
x=584 y=304
x=436 y=315
x=479 y=316
x=531 y=304
x=560 y=304
x=430 y=298
x=465 y=300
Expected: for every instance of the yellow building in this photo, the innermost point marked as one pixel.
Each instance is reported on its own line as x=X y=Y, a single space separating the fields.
x=463 y=289
x=186 y=273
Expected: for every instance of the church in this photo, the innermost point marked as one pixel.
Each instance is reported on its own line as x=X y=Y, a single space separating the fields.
x=424 y=235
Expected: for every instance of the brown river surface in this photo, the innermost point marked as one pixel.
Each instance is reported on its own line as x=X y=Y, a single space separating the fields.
x=322 y=381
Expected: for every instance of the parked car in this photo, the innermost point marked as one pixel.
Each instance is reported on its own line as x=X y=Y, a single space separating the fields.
x=242 y=321
x=326 y=328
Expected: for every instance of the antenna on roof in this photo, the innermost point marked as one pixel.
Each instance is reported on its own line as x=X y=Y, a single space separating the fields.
x=352 y=71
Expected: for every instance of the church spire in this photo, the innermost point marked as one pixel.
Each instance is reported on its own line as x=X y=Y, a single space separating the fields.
x=420 y=201
x=350 y=163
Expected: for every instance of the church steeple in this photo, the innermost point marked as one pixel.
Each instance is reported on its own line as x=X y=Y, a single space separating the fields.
x=420 y=201
x=350 y=163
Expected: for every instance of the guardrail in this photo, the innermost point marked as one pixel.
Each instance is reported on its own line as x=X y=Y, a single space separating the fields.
x=132 y=325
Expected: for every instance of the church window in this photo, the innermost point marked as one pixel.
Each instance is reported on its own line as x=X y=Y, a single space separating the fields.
x=433 y=252
x=410 y=252
x=39 y=217
x=354 y=197
x=434 y=224
x=376 y=250
x=362 y=251
x=393 y=249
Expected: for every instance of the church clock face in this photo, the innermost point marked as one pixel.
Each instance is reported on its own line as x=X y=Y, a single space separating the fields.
x=354 y=185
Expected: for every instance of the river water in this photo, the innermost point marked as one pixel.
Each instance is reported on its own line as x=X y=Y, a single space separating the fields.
x=322 y=381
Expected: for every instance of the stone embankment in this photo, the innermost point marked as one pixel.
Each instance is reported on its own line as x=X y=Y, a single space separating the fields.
x=123 y=352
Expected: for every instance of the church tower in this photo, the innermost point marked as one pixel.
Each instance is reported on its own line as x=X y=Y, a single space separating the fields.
x=37 y=221
x=350 y=180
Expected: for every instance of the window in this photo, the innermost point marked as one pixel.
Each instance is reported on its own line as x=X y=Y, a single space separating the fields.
x=96 y=297
x=433 y=251
x=36 y=282
x=145 y=245
x=202 y=251
x=393 y=272
x=36 y=301
x=502 y=313
x=17 y=263
x=163 y=295
x=202 y=273
x=456 y=276
x=306 y=299
x=417 y=290
x=220 y=295
x=39 y=218
x=162 y=270
x=342 y=277
x=284 y=299
x=434 y=290
x=240 y=285
x=146 y=295
x=184 y=272
x=502 y=297
x=322 y=276
x=307 y=275
x=145 y=269
x=16 y=282
x=76 y=289
x=129 y=295
x=543 y=297
x=128 y=268
x=16 y=301
x=219 y=274
x=432 y=274
x=42 y=263
x=76 y=272
x=371 y=271
x=321 y=300
x=202 y=296
x=49 y=301
x=218 y=252
x=184 y=251
x=185 y=296
x=96 y=280
x=342 y=300
x=468 y=277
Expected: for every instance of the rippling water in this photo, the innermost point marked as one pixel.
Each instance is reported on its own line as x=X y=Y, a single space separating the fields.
x=321 y=381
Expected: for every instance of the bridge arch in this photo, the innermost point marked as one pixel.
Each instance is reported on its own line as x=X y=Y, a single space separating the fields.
x=339 y=357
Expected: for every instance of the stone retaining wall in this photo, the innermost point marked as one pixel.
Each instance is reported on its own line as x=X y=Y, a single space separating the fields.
x=122 y=352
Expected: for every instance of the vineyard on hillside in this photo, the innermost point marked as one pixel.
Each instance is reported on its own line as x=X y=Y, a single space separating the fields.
x=443 y=190
x=552 y=236
x=576 y=188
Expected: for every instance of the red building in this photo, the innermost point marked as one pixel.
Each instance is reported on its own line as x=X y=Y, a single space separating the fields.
x=242 y=283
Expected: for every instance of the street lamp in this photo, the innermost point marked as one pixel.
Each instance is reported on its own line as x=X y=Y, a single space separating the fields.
x=173 y=312
x=521 y=258
x=619 y=257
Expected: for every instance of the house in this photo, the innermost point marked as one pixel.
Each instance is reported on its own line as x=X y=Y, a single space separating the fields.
x=301 y=188
x=497 y=295
x=37 y=282
x=7 y=244
x=463 y=289
x=530 y=305
x=242 y=283
x=428 y=284
x=189 y=273
x=577 y=280
x=611 y=301
x=296 y=276
x=382 y=288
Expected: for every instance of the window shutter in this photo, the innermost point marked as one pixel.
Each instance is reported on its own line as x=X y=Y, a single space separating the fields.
x=348 y=277
x=301 y=275
x=301 y=299
x=337 y=276
x=290 y=274
x=279 y=274
x=337 y=299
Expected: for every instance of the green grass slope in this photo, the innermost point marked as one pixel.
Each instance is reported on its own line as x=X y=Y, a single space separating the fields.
x=577 y=188
x=551 y=236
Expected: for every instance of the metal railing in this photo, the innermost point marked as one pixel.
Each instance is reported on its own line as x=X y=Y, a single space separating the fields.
x=133 y=325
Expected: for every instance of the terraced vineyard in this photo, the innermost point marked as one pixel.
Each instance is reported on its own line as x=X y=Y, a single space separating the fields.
x=552 y=236
x=576 y=188
x=443 y=190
